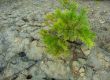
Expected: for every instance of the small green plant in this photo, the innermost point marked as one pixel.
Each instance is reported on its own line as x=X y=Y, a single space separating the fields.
x=66 y=26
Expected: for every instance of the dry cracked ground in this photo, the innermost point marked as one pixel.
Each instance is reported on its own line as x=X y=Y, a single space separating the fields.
x=21 y=53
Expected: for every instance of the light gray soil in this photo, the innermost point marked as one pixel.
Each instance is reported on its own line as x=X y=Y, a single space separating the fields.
x=22 y=56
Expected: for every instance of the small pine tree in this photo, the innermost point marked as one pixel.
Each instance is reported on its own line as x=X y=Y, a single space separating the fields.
x=66 y=26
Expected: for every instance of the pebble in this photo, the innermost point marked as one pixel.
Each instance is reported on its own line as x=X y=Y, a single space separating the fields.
x=101 y=21
x=81 y=70
x=82 y=74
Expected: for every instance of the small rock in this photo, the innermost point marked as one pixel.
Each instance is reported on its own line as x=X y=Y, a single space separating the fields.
x=82 y=74
x=81 y=70
x=101 y=21
x=76 y=64
x=87 y=52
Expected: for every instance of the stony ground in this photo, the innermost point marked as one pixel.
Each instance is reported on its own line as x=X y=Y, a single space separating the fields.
x=21 y=53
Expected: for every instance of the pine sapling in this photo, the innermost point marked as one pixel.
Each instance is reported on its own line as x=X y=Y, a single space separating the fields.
x=68 y=29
